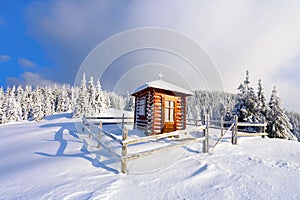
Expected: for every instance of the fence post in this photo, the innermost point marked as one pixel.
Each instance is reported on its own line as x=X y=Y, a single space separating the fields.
x=123 y=121
x=222 y=126
x=83 y=123
x=99 y=133
x=124 y=151
x=205 y=133
x=263 y=127
x=234 y=131
x=90 y=130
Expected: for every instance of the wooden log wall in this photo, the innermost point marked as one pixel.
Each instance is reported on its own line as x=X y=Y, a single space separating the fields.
x=149 y=111
x=157 y=114
x=184 y=111
x=179 y=114
x=140 y=120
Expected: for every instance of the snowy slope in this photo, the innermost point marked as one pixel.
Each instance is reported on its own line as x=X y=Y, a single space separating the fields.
x=47 y=160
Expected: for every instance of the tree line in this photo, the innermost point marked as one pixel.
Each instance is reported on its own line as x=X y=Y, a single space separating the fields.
x=28 y=103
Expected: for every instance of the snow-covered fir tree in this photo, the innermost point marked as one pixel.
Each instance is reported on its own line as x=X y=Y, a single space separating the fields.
x=278 y=123
x=107 y=99
x=19 y=98
x=12 y=107
x=2 y=109
x=81 y=106
x=29 y=101
x=261 y=99
x=62 y=100
x=129 y=105
x=215 y=103
x=48 y=102
x=69 y=104
x=92 y=105
x=295 y=121
x=247 y=108
x=100 y=99
x=116 y=101
x=36 y=103
x=72 y=95
x=38 y=106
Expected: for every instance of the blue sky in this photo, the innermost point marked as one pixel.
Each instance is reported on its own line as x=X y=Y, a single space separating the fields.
x=17 y=48
x=45 y=41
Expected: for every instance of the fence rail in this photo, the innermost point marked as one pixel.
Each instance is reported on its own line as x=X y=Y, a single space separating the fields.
x=234 y=126
x=97 y=132
x=237 y=124
x=125 y=141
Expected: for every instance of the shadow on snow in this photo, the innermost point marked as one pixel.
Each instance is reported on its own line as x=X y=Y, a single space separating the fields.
x=84 y=153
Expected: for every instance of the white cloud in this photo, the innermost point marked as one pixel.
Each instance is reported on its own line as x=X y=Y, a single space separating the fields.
x=261 y=36
x=28 y=78
x=36 y=79
x=4 y=58
x=26 y=64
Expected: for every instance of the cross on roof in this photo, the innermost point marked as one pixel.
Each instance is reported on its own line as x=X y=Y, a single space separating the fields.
x=160 y=75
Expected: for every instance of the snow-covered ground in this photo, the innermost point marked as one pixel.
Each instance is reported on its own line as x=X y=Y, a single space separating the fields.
x=50 y=160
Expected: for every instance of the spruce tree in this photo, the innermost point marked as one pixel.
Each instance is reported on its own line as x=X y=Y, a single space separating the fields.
x=92 y=104
x=246 y=108
x=48 y=105
x=38 y=107
x=62 y=101
x=100 y=99
x=82 y=99
x=278 y=123
x=262 y=102
x=2 y=110
x=11 y=105
x=129 y=106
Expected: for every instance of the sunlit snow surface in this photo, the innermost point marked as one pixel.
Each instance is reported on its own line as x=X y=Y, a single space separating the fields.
x=50 y=160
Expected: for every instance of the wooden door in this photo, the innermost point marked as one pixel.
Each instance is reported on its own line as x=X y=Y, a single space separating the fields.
x=169 y=114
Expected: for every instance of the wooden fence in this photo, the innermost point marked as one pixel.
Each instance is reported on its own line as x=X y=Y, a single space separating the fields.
x=98 y=131
x=234 y=126
x=237 y=124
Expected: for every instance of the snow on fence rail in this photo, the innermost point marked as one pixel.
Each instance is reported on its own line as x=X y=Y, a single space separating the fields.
x=234 y=127
x=198 y=122
x=97 y=131
x=237 y=124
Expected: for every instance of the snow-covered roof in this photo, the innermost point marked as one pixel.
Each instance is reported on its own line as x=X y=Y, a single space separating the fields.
x=160 y=84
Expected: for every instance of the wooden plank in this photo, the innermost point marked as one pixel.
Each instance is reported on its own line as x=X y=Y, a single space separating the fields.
x=156 y=121
x=109 y=118
x=145 y=153
x=124 y=150
x=104 y=131
x=142 y=127
x=141 y=121
x=148 y=138
x=141 y=124
x=252 y=134
x=110 y=135
x=249 y=124
x=103 y=145
x=215 y=120
x=155 y=137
